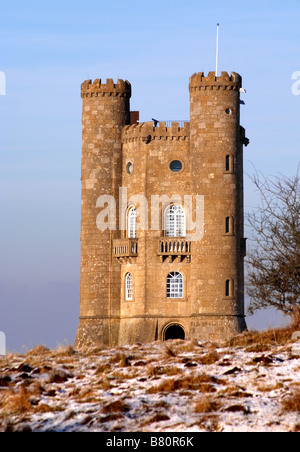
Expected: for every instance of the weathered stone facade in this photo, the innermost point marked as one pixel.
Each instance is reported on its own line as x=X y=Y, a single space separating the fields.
x=161 y=280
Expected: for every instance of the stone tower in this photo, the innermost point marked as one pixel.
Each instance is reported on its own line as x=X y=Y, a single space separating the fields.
x=216 y=150
x=105 y=113
x=145 y=274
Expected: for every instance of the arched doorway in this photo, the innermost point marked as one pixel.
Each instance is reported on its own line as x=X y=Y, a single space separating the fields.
x=174 y=331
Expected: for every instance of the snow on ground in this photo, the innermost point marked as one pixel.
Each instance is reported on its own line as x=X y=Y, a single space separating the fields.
x=161 y=387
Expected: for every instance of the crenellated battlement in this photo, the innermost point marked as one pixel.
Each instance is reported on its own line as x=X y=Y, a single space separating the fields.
x=224 y=82
x=97 y=88
x=146 y=132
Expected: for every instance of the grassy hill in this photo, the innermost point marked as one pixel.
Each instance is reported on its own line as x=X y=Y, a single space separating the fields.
x=249 y=384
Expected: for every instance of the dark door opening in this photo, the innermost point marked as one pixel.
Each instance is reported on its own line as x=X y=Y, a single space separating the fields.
x=174 y=332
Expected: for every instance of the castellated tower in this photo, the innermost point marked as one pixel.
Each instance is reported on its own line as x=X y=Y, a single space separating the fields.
x=105 y=113
x=168 y=262
x=216 y=150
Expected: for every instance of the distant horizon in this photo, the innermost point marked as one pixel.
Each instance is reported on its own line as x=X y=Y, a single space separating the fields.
x=66 y=326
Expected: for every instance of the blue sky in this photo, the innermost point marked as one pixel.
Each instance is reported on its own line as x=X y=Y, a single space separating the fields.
x=47 y=49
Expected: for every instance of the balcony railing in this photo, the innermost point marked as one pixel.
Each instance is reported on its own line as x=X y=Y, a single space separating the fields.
x=125 y=248
x=174 y=247
x=169 y=123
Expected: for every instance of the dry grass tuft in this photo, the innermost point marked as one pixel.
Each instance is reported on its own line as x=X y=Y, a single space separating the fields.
x=236 y=409
x=269 y=388
x=154 y=371
x=207 y=388
x=209 y=358
x=127 y=375
x=258 y=348
x=66 y=351
x=111 y=418
x=190 y=382
x=168 y=353
x=39 y=351
x=262 y=340
x=91 y=350
x=103 y=369
x=161 y=404
x=209 y=423
x=296 y=320
x=234 y=391
x=125 y=361
x=58 y=376
x=5 y=381
x=115 y=407
x=16 y=401
x=191 y=346
x=292 y=404
x=104 y=384
x=165 y=386
x=159 y=417
x=206 y=405
x=120 y=359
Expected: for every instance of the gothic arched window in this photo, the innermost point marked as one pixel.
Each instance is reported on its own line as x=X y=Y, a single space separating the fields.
x=131 y=223
x=174 y=285
x=175 y=222
x=128 y=287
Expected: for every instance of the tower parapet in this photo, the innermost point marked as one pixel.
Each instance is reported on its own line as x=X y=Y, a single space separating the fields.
x=199 y=82
x=145 y=131
x=97 y=88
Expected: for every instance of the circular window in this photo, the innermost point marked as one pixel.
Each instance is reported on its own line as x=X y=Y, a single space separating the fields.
x=176 y=166
x=129 y=167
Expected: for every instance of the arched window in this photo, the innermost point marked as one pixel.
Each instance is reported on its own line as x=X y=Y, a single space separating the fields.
x=229 y=288
x=128 y=287
x=132 y=223
x=229 y=164
x=174 y=285
x=229 y=225
x=175 y=222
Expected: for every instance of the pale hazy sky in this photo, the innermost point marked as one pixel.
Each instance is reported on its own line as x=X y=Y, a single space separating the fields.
x=47 y=49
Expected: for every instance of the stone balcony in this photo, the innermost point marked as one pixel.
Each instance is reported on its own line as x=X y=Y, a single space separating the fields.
x=125 y=249
x=174 y=248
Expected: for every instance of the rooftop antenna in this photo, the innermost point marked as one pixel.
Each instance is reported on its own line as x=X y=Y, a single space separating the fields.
x=217 y=52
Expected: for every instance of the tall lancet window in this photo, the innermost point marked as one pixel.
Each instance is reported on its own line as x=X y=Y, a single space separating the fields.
x=175 y=224
x=128 y=287
x=132 y=223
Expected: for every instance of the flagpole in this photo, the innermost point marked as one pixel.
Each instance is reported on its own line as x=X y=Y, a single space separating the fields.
x=217 y=52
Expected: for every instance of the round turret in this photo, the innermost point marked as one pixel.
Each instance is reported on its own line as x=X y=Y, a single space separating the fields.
x=105 y=112
x=217 y=173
